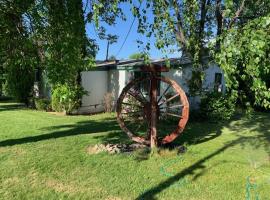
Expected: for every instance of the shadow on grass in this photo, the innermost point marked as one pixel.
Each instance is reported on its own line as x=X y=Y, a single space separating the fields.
x=259 y=123
x=80 y=128
x=199 y=165
x=8 y=106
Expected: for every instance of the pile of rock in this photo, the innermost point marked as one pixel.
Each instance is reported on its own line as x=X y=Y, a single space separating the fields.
x=115 y=148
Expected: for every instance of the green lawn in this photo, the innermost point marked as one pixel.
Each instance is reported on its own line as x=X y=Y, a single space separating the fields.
x=43 y=156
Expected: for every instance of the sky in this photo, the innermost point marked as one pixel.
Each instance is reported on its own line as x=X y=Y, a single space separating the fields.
x=121 y=29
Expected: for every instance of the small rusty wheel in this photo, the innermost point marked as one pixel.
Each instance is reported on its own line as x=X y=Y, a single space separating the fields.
x=134 y=110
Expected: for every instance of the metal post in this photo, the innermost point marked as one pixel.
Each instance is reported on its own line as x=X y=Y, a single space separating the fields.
x=153 y=102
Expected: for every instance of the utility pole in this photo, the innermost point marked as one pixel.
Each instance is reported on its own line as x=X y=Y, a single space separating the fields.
x=107 y=53
x=110 y=40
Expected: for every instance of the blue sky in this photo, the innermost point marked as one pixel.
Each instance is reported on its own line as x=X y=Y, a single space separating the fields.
x=121 y=29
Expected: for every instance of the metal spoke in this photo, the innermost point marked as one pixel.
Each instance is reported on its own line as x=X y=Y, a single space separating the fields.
x=131 y=99
x=169 y=86
x=176 y=106
x=137 y=97
x=142 y=93
x=143 y=96
x=173 y=106
x=173 y=115
x=171 y=98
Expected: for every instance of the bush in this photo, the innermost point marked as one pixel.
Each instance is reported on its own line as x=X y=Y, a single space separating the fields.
x=217 y=107
x=42 y=104
x=66 y=98
x=56 y=98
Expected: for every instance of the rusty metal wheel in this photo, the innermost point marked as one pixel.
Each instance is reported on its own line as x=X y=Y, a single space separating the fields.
x=134 y=109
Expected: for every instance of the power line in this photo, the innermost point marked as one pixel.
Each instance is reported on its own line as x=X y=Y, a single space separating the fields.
x=127 y=33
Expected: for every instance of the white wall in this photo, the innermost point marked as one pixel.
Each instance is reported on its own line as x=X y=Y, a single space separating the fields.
x=95 y=83
x=117 y=80
x=180 y=75
x=122 y=80
x=209 y=80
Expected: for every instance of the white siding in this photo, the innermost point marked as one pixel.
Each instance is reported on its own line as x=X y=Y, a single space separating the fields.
x=180 y=75
x=122 y=80
x=209 y=80
x=117 y=80
x=95 y=83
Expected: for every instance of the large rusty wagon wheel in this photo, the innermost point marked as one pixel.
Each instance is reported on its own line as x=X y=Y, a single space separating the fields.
x=134 y=109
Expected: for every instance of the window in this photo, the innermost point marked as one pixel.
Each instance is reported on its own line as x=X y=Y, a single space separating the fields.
x=218 y=82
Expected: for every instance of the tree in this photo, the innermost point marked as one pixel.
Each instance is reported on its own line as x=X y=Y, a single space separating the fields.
x=136 y=56
x=2 y=80
x=235 y=31
x=106 y=12
x=245 y=59
x=66 y=41
x=43 y=35
x=17 y=49
x=191 y=24
x=2 y=72
x=69 y=51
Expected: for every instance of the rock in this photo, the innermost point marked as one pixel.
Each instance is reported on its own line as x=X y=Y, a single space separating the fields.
x=117 y=150
x=182 y=149
x=137 y=146
x=114 y=148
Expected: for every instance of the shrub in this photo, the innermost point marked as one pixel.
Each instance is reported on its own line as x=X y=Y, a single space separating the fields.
x=42 y=104
x=67 y=98
x=56 y=98
x=217 y=107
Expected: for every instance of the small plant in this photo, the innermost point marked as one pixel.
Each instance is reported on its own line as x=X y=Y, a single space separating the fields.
x=108 y=102
x=217 y=107
x=66 y=98
x=43 y=104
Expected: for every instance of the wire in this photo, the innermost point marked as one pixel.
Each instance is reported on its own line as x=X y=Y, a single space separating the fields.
x=249 y=187
x=128 y=33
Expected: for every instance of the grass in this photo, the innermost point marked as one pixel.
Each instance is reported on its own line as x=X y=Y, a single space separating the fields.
x=43 y=156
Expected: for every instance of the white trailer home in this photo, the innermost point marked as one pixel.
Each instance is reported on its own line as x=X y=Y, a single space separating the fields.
x=113 y=76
